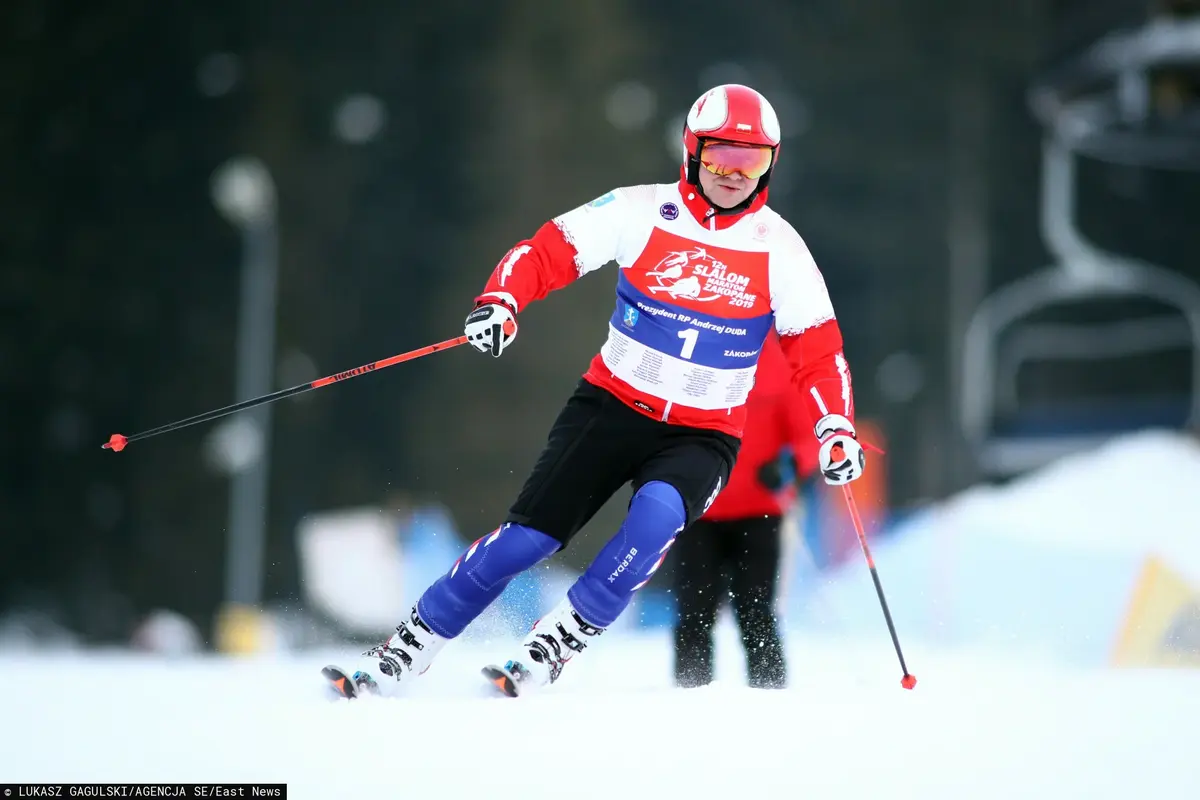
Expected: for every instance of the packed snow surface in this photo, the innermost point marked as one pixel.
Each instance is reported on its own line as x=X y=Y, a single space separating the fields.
x=979 y=725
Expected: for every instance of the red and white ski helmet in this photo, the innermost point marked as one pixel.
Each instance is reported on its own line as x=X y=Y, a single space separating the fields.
x=730 y=112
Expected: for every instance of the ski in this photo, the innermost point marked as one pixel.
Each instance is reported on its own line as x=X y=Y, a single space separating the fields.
x=506 y=679
x=349 y=686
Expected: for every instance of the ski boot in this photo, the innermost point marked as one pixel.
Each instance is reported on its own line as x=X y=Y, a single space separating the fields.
x=410 y=650
x=554 y=640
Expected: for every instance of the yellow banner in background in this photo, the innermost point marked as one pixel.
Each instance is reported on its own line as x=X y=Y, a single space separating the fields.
x=240 y=630
x=1162 y=626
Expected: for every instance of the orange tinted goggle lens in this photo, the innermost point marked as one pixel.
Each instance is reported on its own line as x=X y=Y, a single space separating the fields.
x=726 y=159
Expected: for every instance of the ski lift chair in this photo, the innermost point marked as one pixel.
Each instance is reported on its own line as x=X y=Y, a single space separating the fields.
x=998 y=343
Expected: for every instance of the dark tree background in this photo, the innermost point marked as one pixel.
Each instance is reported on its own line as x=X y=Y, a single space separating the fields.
x=119 y=278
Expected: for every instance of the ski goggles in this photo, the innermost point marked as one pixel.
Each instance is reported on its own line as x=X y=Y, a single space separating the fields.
x=752 y=161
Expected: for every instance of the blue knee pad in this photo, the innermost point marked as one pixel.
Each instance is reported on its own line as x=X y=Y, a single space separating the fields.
x=480 y=575
x=656 y=515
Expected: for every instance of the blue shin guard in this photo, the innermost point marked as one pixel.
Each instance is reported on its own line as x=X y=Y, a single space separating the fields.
x=480 y=575
x=626 y=564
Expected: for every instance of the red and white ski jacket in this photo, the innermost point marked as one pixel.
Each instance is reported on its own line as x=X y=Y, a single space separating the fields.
x=697 y=293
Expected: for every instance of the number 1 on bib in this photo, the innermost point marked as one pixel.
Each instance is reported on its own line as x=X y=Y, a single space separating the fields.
x=689 y=342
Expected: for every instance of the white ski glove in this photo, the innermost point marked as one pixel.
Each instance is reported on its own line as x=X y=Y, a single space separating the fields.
x=490 y=328
x=841 y=457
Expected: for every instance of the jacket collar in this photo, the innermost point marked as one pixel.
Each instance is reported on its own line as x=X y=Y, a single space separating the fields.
x=704 y=212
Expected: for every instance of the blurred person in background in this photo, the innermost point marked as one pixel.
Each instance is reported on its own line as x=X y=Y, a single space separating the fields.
x=706 y=270
x=735 y=550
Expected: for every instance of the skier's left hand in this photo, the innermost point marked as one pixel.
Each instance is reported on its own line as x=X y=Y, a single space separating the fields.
x=841 y=458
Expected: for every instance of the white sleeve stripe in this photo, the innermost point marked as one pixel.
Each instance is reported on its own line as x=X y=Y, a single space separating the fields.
x=820 y=400
x=844 y=372
x=511 y=261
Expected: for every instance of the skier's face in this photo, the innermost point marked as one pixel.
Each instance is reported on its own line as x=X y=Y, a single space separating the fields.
x=726 y=191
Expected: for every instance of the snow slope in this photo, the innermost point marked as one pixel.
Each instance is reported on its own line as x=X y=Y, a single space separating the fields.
x=1136 y=495
x=980 y=725
x=1048 y=563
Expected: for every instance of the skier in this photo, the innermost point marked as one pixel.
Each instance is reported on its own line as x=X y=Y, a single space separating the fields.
x=662 y=404
x=734 y=550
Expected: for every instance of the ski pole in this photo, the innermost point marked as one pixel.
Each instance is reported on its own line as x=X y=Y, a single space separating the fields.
x=908 y=681
x=117 y=442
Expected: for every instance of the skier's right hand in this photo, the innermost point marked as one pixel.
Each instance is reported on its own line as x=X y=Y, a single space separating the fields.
x=841 y=458
x=491 y=327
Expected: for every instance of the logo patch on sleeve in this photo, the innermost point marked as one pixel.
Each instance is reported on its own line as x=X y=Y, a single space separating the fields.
x=603 y=200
